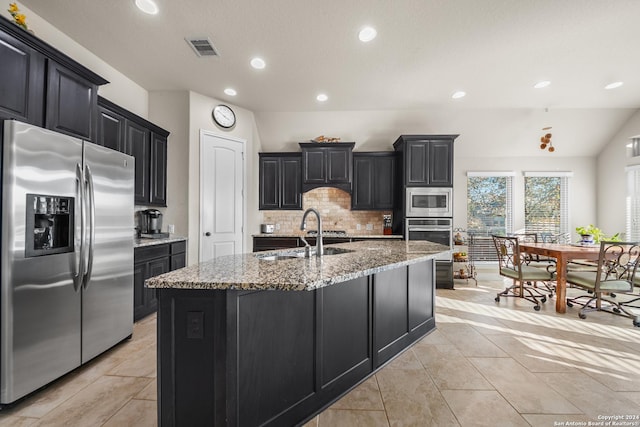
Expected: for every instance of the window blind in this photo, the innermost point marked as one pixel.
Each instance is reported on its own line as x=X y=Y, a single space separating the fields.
x=547 y=203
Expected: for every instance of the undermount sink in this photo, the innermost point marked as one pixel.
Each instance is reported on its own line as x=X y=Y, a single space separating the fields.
x=279 y=256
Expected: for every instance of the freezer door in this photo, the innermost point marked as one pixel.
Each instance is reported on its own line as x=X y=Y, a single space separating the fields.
x=107 y=305
x=39 y=304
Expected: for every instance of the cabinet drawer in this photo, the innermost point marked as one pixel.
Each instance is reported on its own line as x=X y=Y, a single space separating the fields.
x=150 y=252
x=178 y=247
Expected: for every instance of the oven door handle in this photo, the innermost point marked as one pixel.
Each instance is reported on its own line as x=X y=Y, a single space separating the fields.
x=428 y=229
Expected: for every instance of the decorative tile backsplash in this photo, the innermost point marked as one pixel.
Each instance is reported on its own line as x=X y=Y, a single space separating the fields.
x=334 y=206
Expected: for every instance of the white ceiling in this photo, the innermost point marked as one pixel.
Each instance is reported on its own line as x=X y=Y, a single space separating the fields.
x=495 y=50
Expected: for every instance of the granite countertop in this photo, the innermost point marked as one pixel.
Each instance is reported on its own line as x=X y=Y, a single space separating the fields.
x=140 y=242
x=249 y=272
x=346 y=236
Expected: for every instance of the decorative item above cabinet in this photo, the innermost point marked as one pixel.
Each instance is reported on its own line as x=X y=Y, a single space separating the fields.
x=327 y=165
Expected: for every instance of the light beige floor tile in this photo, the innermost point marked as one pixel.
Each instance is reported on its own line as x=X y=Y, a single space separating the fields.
x=97 y=402
x=351 y=418
x=11 y=421
x=482 y=408
x=535 y=353
x=545 y=420
x=364 y=397
x=138 y=413
x=435 y=337
x=591 y=397
x=313 y=422
x=471 y=342
x=449 y=369
x=142 y=365
x=150 y=392
x=634 y=396
x=522 y=389
x=406 y=360
x=411 y=398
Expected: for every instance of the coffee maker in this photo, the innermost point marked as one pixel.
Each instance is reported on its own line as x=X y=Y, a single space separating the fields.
x=150 y=223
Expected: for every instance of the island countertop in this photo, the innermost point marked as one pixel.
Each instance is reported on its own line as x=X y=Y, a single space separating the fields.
x=250 y=272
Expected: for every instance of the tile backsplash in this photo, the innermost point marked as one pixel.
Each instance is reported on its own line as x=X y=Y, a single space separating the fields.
x=334 y=206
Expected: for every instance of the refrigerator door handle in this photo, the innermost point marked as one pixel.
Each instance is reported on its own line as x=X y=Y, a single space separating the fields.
x=78 y=272
x=91 y=229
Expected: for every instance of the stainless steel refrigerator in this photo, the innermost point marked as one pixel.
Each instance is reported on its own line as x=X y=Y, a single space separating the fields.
x=67 y=255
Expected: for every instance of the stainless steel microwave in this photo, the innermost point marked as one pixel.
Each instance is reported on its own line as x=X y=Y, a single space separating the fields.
x=429 y=202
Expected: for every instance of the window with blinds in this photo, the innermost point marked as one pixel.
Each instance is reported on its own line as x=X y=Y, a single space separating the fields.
x=546 y=203
x=489 y=210
x=633 y=204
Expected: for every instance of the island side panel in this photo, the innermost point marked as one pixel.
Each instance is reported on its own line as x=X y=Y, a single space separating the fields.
x=421 y=283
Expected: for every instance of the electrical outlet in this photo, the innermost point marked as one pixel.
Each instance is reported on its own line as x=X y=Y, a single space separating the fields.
x=171 y=228
x=195 y=325
x=358 y=227
x=369 y=227
x=277 y=226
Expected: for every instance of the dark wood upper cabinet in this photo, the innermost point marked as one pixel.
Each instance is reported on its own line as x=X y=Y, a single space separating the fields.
x=327 y=165
x=71 y=102
x=373 y=181
x=131 y=134
x=111 y=130
x=280 y=181
x=158 y=170
x=427 y=160
x=21 y=81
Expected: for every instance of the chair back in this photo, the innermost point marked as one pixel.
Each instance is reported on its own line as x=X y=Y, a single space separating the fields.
x=617 y=261
x=508 y=251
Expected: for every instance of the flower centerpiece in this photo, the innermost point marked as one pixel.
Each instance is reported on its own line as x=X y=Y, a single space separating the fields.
x=591 y=234
x=18 y=17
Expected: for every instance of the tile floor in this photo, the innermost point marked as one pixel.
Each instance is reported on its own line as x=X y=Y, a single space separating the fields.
x=486 y=364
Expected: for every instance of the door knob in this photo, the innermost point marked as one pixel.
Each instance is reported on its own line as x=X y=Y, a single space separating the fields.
x=207 y=234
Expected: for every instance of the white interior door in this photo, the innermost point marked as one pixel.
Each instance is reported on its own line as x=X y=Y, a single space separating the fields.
x=221 y=196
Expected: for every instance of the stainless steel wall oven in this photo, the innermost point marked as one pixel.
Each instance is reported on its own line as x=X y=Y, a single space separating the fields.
x=437 y=230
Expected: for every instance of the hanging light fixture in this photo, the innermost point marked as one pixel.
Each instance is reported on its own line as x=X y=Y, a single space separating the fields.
x=545 y=141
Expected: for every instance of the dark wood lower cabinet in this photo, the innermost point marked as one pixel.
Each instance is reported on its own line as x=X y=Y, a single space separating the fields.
x=267 y=358
x=150 y=261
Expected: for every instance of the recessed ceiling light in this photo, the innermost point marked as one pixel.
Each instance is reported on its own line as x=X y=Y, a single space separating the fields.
x=613 y=85
x=230 y=91
x=147 y=6
x=541 y=84
x=458 y=94
x=367 y=34
x=322 y=97
x=258 y=63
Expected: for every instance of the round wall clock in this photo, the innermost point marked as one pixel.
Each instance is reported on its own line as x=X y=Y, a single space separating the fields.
x=224 y=116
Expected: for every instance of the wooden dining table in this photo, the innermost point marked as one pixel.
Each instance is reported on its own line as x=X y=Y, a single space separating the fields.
x=563 y=253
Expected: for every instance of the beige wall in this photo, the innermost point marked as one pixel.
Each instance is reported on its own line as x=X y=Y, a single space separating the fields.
x=612 y=184
x=200 y=108
x=582 y=198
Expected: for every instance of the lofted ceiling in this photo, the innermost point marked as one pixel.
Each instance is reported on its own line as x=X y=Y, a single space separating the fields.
x=494 y=50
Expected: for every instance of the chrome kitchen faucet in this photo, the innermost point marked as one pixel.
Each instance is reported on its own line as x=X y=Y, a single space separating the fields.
x=303 y=226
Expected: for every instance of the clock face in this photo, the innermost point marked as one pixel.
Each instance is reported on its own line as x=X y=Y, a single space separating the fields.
x=224 y=116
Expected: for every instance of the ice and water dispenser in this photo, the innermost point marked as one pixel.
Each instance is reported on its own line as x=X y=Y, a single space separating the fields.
x=49 y=225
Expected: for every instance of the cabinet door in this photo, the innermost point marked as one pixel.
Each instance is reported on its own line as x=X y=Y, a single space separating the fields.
x=363 y=183
x=384 y=174
x=269 y=183
x=158 y=170
x=71 y=102
x=421 y=291
x=21 y=81
x=137 y=145
x=139 y=276
x=111 y=129
x=416 y=160
x=440 y=163
x=178 y=261
x=390 y=311
x=314 y=165
x=338 y=161
x=291 y=183
x=155 y=268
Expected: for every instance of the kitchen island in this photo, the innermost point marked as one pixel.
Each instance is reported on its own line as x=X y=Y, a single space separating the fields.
x=261 y=339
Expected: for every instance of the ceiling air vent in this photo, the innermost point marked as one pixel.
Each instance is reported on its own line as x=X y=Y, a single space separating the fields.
x=202 y=46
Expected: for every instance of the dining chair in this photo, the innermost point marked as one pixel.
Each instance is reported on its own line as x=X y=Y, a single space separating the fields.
x=615 y=273
x=512 y=264
x=538 y=261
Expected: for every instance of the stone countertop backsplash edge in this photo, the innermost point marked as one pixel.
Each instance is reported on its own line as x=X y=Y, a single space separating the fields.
x=140 y=242
x=250 y=272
